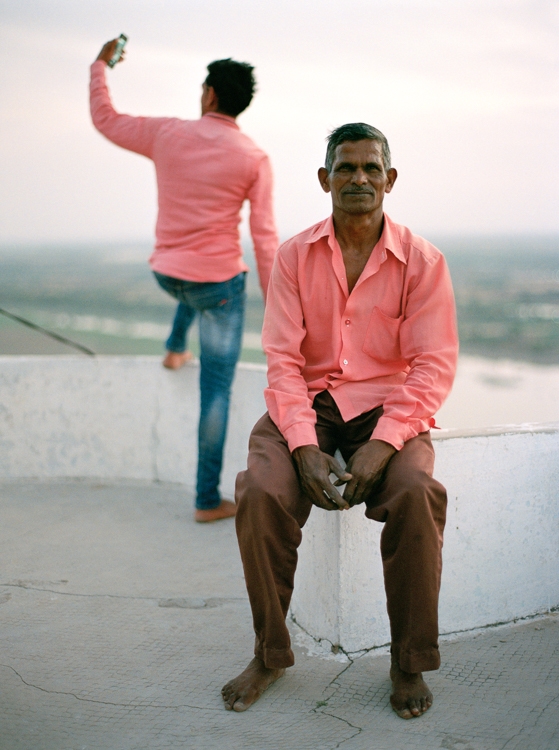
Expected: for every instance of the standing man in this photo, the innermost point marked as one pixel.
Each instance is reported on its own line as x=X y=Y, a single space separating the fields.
x=361 y=341
x=205 y=170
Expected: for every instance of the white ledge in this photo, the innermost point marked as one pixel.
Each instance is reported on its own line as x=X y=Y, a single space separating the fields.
x=500 y=429
x=128 y=418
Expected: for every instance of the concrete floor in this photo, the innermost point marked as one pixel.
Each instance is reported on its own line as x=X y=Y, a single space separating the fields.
x=120 y=620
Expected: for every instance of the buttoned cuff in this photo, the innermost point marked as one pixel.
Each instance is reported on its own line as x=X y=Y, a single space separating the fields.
x=300 y=433
x=393 y=431
x=397 y=433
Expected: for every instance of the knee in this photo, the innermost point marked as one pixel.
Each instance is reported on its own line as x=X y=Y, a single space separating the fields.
x=266 y=498
x=419 y=494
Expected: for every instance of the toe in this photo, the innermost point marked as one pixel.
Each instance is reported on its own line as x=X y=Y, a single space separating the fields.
x=404 y=713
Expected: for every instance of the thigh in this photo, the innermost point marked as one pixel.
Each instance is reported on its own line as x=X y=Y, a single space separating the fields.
x=222 y=312
x=169 y=284
x=270 y=484
x=409 y=474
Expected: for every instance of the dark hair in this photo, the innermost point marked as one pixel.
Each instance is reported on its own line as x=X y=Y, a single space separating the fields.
x=233 y=83
x=355 y=131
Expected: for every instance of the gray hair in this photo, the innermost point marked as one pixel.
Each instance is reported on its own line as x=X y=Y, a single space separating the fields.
x=355 y=131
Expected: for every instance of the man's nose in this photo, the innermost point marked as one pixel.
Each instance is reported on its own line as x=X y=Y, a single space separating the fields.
x=359 y=177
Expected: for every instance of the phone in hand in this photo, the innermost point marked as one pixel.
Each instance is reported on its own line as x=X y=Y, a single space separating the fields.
x=117 y=54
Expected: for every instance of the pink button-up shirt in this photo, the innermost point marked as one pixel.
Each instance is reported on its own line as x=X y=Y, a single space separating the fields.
x=205 y=170
x=392 y=341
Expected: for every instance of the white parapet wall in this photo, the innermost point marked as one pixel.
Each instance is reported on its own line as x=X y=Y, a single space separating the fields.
x=128 y=418
x=501 y=548
x=114 y=417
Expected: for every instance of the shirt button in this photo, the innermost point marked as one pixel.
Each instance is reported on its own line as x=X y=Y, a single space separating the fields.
x=347 y=322
x=345 y=361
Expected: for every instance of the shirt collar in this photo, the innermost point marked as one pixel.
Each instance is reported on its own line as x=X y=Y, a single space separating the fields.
x=389 y=239
x=227 y=119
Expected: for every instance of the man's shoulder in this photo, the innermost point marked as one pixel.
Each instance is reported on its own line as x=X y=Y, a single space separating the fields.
x=246 y=144
x=412 y=245
x=303 y=240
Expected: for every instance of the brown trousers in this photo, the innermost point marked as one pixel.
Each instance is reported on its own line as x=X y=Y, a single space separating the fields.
x=271 y=511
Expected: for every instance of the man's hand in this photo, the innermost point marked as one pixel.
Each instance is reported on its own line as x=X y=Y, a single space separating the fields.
x=314 y=468
x=108 y=51
x=366 y=467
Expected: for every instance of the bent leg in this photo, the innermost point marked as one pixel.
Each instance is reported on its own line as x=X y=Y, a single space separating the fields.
x=182 y=321
x=412 y=506
x=271 y=510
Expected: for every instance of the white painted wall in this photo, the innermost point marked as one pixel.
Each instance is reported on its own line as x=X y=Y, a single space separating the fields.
x=501 y=550
x=124 y=417
x=127 y=417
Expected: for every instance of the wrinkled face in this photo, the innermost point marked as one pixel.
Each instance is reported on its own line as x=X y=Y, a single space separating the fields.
x=358 y=180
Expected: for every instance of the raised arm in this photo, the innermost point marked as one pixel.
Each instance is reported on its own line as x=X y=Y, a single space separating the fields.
x=132 y=133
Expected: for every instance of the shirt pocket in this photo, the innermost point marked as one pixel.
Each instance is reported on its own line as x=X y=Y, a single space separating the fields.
x=382 y=338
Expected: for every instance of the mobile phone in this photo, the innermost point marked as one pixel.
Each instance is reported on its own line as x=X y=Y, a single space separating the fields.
x=118 y=50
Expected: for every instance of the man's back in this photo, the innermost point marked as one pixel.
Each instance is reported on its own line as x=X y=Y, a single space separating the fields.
x=205 y=169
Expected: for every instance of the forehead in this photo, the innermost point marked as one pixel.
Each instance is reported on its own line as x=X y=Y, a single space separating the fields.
x=358 y=152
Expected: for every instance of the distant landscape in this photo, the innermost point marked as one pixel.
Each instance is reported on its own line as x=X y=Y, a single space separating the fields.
x=104 y=297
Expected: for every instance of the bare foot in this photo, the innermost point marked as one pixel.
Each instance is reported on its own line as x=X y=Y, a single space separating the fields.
x=175 y=360
x=246 y=688
x=226 y=509
x=410 y=695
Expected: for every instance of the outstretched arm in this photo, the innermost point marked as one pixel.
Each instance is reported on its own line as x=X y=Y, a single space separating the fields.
x=132 y=133
x=107 y=51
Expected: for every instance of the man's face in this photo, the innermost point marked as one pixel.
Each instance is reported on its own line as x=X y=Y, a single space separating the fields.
x=358 y=180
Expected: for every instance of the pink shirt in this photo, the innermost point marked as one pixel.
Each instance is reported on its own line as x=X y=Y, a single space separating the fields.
x=392 y=341
x=205 y=170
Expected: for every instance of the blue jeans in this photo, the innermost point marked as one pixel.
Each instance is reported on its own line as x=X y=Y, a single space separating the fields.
x=184 y=316
x=221 y=309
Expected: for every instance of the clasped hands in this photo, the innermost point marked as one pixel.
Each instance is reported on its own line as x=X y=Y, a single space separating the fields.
x=362 y=474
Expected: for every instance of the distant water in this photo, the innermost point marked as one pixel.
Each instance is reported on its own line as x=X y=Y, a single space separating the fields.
x=489 y=392
x=507 y=290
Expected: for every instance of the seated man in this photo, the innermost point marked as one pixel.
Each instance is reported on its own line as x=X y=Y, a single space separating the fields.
x=361 y=341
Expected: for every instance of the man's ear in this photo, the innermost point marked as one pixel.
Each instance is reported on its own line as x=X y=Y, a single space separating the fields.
x=324 y=179
x=391 y=175
x=212 y=101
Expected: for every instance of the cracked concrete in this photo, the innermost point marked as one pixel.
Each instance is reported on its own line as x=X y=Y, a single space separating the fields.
x=120 y=620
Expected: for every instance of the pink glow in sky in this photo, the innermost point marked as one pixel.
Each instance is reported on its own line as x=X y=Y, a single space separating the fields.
x=466 y=92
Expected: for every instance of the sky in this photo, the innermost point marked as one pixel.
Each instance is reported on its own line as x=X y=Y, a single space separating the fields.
x=466 y=92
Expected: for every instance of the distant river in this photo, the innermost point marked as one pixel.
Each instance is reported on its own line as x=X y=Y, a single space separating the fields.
x=497 y=392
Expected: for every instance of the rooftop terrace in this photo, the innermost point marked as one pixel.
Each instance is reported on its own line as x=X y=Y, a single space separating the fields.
x=120 y=619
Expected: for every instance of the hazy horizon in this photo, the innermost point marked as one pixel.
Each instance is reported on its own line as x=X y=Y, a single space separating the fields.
x=466 y=93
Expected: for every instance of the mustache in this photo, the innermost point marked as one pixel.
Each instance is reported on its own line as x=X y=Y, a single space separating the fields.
x=363 y=191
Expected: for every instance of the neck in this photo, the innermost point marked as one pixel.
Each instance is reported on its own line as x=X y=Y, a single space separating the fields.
x=358 y=231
